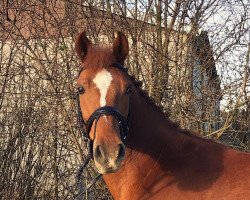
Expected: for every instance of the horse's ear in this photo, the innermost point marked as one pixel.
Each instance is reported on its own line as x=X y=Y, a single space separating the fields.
x=120 y=47
x=82 y=45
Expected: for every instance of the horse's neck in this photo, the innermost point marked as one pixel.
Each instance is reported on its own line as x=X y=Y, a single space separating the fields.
x=150 y=136
x=150 y=130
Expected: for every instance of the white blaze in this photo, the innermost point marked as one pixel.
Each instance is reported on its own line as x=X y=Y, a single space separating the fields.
x=103 y=80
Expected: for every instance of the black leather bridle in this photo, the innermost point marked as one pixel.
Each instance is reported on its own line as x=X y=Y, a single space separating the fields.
x=85 y=127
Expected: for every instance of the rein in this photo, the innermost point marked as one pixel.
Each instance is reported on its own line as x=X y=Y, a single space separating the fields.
x=85 y=128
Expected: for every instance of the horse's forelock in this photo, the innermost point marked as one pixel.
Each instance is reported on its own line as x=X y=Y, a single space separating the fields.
x=99 y=57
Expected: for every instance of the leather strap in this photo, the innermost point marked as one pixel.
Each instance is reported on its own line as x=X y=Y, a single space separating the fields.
x=108 y=110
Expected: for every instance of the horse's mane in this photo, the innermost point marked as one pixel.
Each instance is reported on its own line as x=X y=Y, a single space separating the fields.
x=143 y=93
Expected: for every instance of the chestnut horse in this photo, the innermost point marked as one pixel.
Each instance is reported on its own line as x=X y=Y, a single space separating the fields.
x=162 y=161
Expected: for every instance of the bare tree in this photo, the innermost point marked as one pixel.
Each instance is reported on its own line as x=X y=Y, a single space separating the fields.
x=192 y=57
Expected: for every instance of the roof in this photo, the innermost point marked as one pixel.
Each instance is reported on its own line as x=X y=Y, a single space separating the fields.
x=204 y=52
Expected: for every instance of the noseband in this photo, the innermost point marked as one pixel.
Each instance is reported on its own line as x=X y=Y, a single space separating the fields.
x=95 y=116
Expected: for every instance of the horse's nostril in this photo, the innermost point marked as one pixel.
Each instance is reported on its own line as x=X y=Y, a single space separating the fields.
x=121 y=151
x=99 y=153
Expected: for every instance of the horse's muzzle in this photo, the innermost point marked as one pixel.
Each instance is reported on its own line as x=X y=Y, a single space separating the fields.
x=108 y=158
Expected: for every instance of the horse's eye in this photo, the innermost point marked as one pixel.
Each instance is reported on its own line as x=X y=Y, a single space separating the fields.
x=129 y=90
x=80 y=89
